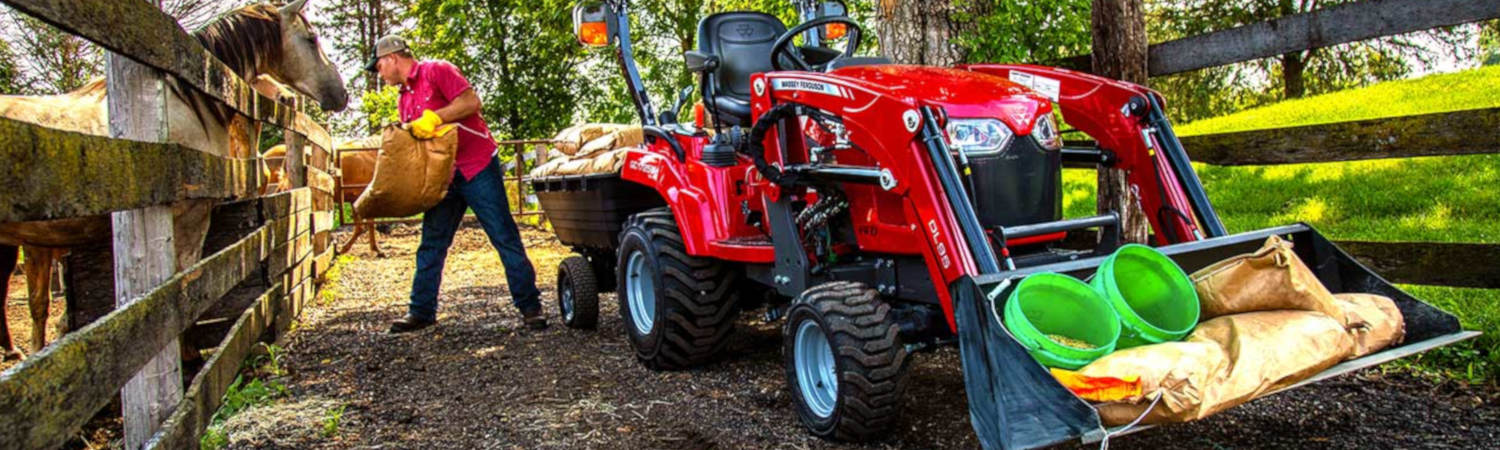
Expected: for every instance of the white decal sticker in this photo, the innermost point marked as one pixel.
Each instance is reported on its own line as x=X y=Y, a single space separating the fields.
x=942 y=250
x=912 y=120
x=789 y=84
x=1048 y=87
x=760 y=87
x=650 y=170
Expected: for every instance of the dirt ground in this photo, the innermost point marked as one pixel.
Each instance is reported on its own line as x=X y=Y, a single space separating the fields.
x=480 y=380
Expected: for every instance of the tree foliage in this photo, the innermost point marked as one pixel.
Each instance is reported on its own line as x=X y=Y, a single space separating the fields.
x=520 y=56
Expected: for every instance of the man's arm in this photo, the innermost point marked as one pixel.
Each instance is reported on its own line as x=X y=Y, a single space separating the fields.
x=465 y=105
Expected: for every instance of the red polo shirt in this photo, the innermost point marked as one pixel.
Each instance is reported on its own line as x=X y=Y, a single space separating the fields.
x=433 y=85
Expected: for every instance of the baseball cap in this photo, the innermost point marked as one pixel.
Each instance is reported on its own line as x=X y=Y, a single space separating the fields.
x=386 y=45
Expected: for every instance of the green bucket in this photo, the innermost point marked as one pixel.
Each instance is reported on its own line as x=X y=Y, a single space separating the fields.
x=1151 y=294
x=1049 y=303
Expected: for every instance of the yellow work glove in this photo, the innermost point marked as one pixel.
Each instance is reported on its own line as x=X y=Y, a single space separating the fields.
x=428 y=126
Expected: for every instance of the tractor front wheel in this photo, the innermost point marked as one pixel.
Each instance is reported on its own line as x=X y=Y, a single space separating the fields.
x=845 y=363
x=678 y=309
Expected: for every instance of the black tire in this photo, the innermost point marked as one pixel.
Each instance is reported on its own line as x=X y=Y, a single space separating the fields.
x=692 y=299
x=870 y=361
x=577 y=293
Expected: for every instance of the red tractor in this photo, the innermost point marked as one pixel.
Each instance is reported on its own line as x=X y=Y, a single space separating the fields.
x=881 y=210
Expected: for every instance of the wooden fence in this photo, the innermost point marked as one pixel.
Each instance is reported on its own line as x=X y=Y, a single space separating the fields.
x=1474 y=131
x=263 y=258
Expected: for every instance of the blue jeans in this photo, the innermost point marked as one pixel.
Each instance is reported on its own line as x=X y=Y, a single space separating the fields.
x=485 y=194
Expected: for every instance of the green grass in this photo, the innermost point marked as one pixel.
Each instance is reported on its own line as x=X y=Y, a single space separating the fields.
x=1439 y=199
x=1472 y=89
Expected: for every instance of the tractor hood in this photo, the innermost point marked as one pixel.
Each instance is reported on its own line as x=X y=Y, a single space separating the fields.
x=963 y=94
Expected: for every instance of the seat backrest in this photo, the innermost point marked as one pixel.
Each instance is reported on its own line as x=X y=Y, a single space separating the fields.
x=742 y=40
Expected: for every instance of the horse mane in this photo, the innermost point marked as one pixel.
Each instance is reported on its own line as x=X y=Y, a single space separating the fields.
x=243 y=39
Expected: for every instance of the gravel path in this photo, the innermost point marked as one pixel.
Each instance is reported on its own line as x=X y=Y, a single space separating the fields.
x=478 y=380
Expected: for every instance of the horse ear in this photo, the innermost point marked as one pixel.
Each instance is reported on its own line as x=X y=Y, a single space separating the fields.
x=293 y=8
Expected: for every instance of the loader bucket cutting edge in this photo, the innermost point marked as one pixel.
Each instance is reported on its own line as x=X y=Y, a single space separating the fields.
x=1015 y=403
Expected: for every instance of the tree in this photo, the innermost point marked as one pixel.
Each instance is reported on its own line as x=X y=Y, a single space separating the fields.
x=929 y=32
x=1029 y=31
x=1119 y=52
x=1489 y=43
x=353 y=26
x=520 y=56
x=11 y=81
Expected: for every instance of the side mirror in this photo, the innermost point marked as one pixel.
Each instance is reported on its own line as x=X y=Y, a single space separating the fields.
x=700 y=62
x=834 y=8
x=591 y=24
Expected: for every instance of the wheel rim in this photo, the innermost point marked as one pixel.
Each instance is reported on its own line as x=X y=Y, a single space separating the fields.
x=817 y=380
x=640 y=284
x=566 y=298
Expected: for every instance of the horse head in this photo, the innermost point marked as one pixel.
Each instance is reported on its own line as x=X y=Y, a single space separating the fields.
x=303 y=65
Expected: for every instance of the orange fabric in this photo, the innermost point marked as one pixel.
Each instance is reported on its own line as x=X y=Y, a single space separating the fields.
x=1099 y=389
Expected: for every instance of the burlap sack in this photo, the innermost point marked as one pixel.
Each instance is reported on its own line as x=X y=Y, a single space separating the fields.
x=1272 y=278
x=1183 y=373
x=1256 y=353
x=548 y=169
x=570 y=140
x=610 y=161
x=411 y=175
x=625 y=137
x=1373 y=321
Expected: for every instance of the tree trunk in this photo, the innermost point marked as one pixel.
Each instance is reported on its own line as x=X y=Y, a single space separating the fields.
x=926 y=32
x=1120 y=53
x=1292 y=66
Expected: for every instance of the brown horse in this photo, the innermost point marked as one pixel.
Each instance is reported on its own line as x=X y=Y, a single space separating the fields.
x=262 y=39
x=358 y=168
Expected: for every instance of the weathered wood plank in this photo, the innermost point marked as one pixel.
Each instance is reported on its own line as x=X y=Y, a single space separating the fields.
x=206 y=393
x=144 y=253
x=1440 y=134
x=45 y=399
x=322 y=263
x=1430 y=263
x=322 y=221
x=1324 y=27
x=156 y=40
x=320 y=180
x=1320 y=28
x=286 y=203
x=51 y=174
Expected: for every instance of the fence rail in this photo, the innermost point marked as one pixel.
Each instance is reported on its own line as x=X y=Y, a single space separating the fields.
x=1334 y=25
x=1441 y=134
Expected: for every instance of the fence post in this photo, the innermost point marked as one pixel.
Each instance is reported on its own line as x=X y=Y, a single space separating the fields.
x=144 y=254
x=296 y=162
x=1120 y=52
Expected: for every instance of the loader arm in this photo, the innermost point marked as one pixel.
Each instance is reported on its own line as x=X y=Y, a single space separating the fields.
x=1128 y=121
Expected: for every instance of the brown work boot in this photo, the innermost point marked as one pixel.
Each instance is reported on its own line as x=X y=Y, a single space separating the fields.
x=410 y=323
x=534 y=319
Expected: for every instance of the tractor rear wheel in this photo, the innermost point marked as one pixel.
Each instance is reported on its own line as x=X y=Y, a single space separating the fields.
x=678 y=309
x=845 y=363
x=577 y=293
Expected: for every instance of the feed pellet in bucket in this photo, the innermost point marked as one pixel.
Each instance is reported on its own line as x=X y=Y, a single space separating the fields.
x=1064 y=340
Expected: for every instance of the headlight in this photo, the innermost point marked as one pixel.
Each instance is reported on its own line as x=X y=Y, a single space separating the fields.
x=978 y=136
x=1046 y=134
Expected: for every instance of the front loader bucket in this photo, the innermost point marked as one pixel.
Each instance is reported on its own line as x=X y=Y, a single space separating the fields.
x=1015 y=403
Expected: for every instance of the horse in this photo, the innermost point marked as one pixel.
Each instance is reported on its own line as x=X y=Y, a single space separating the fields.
x=358 y=169
x=276 y=41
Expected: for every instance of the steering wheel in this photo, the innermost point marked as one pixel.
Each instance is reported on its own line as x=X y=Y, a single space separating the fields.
x=784 y=47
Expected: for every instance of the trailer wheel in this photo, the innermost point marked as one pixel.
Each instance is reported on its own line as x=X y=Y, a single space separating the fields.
x=678 y=309
x=845 y=363
x=577 y=293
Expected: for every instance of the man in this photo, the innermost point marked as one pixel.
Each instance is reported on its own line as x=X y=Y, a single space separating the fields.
x=434 y=93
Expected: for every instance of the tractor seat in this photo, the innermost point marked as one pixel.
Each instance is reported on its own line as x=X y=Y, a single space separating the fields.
x=742 y=41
